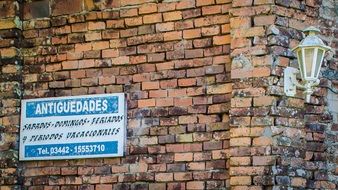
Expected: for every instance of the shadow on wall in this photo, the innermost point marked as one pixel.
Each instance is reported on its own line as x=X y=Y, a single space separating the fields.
x=332 y=99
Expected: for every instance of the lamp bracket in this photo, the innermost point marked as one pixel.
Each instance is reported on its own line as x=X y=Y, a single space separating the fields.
x=290 y=81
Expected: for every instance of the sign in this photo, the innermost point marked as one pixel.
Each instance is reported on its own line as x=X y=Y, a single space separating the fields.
x=73 y=127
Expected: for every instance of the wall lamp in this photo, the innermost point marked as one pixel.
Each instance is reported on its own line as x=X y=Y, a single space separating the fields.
x=310 y=53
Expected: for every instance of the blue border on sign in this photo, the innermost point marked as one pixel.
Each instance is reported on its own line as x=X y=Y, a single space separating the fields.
x=72 y=106
x=72 y=149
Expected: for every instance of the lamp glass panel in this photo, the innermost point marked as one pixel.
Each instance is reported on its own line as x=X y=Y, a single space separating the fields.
x=308 y=62
x=300 y=62
x=320 y=55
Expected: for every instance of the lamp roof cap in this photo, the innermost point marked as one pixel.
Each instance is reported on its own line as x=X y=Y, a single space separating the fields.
x=311 y=40
x=311 y=30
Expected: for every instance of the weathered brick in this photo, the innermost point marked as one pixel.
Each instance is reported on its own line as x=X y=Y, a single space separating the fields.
x=172 y=16
x=263 y=160
x=243 y=141
x=221 y=40
x=219 y=89
x=148 y=8
x=240 y=180
x=179 y=157
x=204 y=2
x=195 y=185
x=146 y=103
x=240 y=161
x=164 y=177
x=153 y=18
x=66 y=7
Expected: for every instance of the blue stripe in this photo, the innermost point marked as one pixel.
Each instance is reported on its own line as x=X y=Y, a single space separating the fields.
x=32 y=108
x=71 y=149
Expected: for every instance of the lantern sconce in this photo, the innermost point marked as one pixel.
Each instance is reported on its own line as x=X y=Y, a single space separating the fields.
x=310 y=53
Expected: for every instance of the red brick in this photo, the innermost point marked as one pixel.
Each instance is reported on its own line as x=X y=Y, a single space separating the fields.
x=264 y=101
x=150 y=85
x=186 y=82
x=157 y=186
x=225 y=28
x=108 y=53
x=204 y=2
x=148 y=8
x=245 y=171
x=196 y=166
x=83 y=47
x=183 y=101
x=248 y=32
x=244 y=141
x=240 y=42
x=263 y=160
x=79 y=27
x=169 y=84
x=134 y=21
x=103 y=187
x=164 y=176
x=146 y=103
x=93 y=36
x=106 y=80
x=100 y=45
x=240 y=22
x=206 y=42
x=170 y=36
x=240 y=161
x=240 y=180
x=174 y=148
x=96 y=25
x=241 y=102
x=298 y=182
x=195 y=185
x=193 y=33
x=187 y=119
x=209 y=10
x=70 y=65
x=64 y=7
x=264 y=20
x=164 y=102
x=156 y=57
x=177 y=92
x=158 y=93
x=211 y=20
x=185 y=4
x=179 y=157
x=194 y=53
x=121 y=60
x=165 y=66
x=182 y=176
x=165 y=7
x=115 y=23
x=221 y=40
x=241 y=3
x=128 y=12
x=89 y=82
x=164 y=27
x=262 y=141
x=210 y=31
x=153 y=18
x=172 y=16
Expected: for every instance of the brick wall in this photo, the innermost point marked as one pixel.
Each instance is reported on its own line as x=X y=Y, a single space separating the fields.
x=10 y=92
x=204 y=85
x=277 y=141
x=171 y=59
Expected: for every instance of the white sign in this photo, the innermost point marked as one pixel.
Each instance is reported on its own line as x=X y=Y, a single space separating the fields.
x=73 y=127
